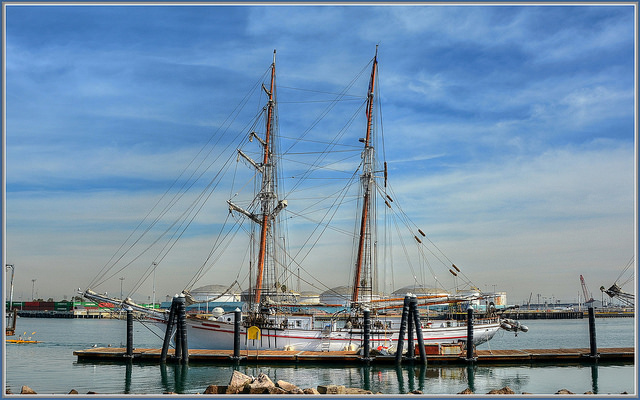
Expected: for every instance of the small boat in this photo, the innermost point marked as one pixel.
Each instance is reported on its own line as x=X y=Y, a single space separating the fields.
x=23 y=339
x=271 y=306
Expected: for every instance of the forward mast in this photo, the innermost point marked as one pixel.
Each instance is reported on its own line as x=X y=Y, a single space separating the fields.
x=269 y=205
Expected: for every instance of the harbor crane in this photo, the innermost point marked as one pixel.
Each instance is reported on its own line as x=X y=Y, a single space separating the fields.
x=585 y=292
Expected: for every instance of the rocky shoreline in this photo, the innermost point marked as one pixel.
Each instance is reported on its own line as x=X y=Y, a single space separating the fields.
x=262 y=384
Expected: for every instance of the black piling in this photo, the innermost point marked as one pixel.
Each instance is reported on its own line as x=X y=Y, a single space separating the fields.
x=592 y=335
x=418 y=327
x=237 y=315
x=182 y=323
x=367 y=334
x=177 y=338
x=169 y=331
x=470 y=357
x=129 y=332
x=411 y=349
x=403 y=328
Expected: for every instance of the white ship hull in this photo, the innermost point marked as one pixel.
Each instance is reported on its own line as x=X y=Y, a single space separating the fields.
x=205 y=334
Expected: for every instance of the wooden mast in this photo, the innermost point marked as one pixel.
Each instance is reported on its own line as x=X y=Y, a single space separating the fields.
x=267 y=185
x=367 y=178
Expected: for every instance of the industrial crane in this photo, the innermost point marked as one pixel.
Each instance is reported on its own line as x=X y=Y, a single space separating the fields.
x=585 y=292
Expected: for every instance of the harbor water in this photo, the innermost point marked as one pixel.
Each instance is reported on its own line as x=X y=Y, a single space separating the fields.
x=50 y=367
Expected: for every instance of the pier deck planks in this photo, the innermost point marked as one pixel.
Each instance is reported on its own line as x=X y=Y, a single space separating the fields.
x=351 y=357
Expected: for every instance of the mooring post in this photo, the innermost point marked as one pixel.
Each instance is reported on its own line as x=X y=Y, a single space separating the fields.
x=592 y=334
x=418 y=326
x=182 y=323
x=411 y=348
x=470 y=357
x=169 y=331
x=367 y=332
x=403 y=328
x=177 y=355
x=237 y=315
x=129 y=332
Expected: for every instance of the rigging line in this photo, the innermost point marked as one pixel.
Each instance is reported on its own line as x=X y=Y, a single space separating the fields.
x=340 y=194
x=335 y=211
x=336 y=229
x=194 y=216
x=326 y=167
x=340 y=134
x=629 y=264
x=218 y=175
x=355 y=147
x=321 y=284
x=143 y=322
x=315 y=211
x=323 y=152
x=319 y=91
x=221 y=243
x=407 y=222
x=351 y=198
x=412 y=226
x=226 y=243
x=183 y=215
x=239 y=107
x=406 y=254
x=331 y=106
x=316 y=101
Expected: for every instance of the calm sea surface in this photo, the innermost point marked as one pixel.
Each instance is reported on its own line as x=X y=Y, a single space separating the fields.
x=51 y=368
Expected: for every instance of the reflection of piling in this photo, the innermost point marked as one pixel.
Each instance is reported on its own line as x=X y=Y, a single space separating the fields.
x=127 y=378
x=418 y=327
x=592 y=335
x=237 y=315
x=367 y=334
x=470 y=357
x=470 y=377
x=403 y=328
x=129 y=332
x=169 y=331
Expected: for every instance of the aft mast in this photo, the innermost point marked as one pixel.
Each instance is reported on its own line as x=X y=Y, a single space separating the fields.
x=363 y=274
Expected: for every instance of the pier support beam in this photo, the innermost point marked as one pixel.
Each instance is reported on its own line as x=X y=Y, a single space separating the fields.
x=470 y=357
x=418 y=327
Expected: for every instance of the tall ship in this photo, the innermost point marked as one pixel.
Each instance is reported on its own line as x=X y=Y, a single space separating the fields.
x=273 y=259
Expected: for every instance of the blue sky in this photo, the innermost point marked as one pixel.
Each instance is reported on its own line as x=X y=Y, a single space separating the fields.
x=509 y=129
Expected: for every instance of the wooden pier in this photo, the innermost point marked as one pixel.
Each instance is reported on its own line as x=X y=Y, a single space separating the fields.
x=556 y=356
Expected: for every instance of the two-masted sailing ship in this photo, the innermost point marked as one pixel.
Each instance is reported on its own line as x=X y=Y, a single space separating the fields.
x=283 y=323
